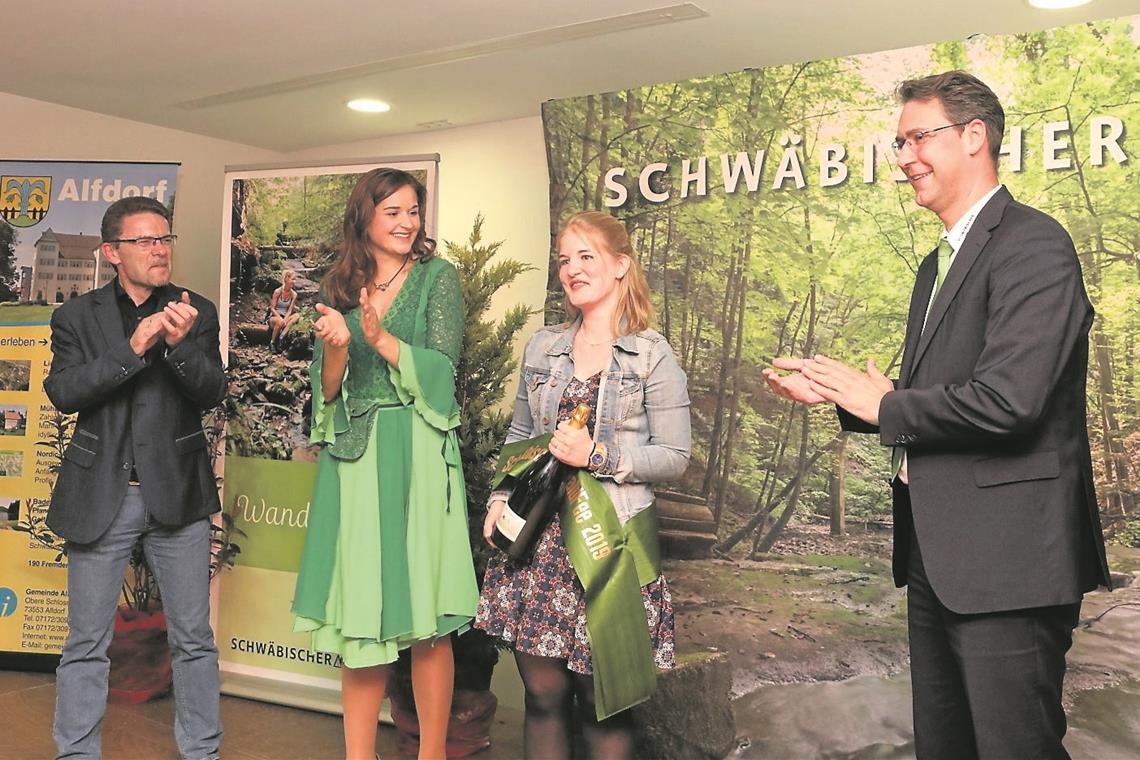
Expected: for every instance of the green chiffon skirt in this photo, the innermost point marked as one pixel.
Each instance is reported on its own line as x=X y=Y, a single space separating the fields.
x=387 y=560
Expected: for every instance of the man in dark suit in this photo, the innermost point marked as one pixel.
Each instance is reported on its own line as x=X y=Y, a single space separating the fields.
x=138 y=359
x=997 y=532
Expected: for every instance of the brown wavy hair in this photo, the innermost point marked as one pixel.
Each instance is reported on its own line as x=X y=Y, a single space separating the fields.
x=355 y=265
x=634 y=311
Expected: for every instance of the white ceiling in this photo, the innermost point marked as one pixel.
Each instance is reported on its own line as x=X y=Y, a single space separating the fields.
x=276 y=73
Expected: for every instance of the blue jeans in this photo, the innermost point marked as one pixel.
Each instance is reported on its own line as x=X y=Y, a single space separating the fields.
x=180 y=559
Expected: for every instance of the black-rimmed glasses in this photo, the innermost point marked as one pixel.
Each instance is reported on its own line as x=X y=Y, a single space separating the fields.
x=919 y=136
x=146 y=243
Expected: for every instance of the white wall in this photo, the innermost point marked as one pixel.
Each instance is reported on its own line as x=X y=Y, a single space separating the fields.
x=34 y=129
x=497 y=169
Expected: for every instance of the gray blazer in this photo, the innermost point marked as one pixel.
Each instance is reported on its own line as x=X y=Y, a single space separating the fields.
x=990 y=405
x=92 y=361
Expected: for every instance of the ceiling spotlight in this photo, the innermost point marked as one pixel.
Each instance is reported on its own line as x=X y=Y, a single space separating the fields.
x=368 y=105
x=1056 y=5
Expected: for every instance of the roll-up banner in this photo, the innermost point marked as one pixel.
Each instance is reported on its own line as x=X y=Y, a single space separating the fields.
x=277 y=219
x=50 y=212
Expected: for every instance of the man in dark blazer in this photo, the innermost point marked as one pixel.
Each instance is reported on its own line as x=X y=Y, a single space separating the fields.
x=138 y=360
x=997 y=532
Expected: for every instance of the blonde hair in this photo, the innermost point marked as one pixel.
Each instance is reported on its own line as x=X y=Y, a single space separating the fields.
x=608 y=235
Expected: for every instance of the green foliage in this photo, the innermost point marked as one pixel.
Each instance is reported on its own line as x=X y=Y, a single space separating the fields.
x=312 y=208
x=775 y=268
x=34 y=523
x=140 y=586
x=9 y=274
x=949 y=55
x=59 y=427
x=1076 y=74
x=1129 y=534
x=740 y=277
x=223 y=549
x=485 y=370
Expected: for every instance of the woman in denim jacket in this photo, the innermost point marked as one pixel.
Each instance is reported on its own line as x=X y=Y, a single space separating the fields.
x=638 y=435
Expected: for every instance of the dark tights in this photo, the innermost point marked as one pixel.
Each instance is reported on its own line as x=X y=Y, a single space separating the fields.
x=551 y=691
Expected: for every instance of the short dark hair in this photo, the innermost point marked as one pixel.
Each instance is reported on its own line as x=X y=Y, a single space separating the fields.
x=112 y=226
x=964 y=97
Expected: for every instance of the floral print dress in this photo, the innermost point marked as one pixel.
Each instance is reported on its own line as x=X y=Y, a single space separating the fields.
x=540 y=608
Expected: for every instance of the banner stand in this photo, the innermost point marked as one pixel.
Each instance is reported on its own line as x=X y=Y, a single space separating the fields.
x=50 y=216
x=278 y=222
x=30 y=663
x=273 y=689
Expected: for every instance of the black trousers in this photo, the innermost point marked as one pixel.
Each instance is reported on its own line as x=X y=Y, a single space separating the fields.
x=985 y=686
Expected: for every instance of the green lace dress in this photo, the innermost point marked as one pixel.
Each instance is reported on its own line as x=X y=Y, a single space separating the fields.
x=387 y=559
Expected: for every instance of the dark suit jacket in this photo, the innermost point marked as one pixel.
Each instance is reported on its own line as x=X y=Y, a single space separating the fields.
x=91 y=373
x=990 y=405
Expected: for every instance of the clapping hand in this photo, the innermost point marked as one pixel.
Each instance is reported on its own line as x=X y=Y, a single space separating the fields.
x=178 y=317
x=859 y=392
x=370 y=325
x=330 y=327
x=147 y=333
x=794 y=386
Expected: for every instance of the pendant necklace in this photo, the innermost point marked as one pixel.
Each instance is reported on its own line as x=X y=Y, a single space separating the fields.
x=383 y=286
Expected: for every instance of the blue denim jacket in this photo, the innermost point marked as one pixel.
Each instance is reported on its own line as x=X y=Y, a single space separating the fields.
x=643 y=414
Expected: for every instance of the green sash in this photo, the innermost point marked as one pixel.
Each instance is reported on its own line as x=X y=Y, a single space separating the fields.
x=612 y=562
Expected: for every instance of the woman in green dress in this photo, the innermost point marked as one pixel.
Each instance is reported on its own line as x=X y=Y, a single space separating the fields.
x=387 y=562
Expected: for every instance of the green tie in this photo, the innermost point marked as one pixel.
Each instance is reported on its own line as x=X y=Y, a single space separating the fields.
x=945 y=251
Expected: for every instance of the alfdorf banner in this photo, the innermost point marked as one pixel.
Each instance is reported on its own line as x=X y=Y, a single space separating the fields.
x=772 y=219
x=281 y=232
x=50 y=212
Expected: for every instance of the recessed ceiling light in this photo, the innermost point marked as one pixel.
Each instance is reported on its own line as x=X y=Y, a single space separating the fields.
x=1056 y=5
x=368 y=105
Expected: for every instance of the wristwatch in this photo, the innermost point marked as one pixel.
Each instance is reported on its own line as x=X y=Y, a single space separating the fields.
x=597 y=457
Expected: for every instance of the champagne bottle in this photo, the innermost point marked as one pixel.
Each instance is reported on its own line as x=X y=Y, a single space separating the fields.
x=534 y=500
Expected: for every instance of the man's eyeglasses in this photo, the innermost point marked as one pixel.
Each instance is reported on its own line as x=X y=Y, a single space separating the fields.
x=919 y=136
x=146 y=243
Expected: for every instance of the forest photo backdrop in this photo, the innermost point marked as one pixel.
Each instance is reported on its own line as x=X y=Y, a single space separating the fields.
x=772 y=221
